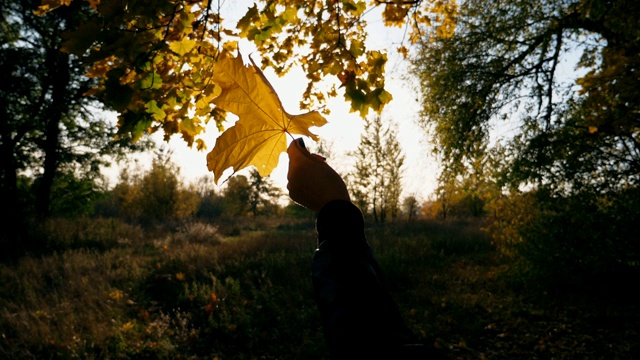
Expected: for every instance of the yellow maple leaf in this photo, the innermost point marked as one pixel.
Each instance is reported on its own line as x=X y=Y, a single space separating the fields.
x=183 y=46
x=259 y=136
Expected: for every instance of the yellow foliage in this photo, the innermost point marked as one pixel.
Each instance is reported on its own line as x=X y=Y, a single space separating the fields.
x=155 y=68
x=259 y=136
x=48 y=5
x=183 y=46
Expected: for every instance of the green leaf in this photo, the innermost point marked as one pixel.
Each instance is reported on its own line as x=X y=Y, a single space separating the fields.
x=245 y=23
x=187 y=125
x=156 y=112
x=358 y=100
x=151 y=81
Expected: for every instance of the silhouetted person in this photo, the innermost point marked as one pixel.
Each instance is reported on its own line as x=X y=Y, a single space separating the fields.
x=360 y=320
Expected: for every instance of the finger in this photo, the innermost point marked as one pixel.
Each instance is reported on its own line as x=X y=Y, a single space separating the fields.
x=296 y=148
x=297 y=153
x=301 y=143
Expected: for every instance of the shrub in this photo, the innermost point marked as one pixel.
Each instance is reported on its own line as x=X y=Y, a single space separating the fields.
x=580 y=241
x=198 y=233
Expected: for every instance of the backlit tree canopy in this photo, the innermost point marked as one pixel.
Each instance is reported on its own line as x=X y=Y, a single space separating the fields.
x=508 y=70
x=154 y=59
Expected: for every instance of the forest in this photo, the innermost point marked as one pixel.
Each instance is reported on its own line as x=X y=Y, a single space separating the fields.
x=527 y=249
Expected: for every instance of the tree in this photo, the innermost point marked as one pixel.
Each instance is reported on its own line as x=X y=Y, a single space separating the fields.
x=503 y=64
x=154 y=196
x=72 y=196
x=375 y=183
x=465 y=188
x=157 y=195
x=48 y=127
x=236 y=196
x=211 y=202
x=570 y=157
x=163 y=196
x=263 y=195
x=324 y=148
x=153 y=60
x=254 y=195
x=410 y=207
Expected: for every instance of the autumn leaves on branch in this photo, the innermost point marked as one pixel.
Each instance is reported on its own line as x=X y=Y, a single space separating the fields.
x=166 y=65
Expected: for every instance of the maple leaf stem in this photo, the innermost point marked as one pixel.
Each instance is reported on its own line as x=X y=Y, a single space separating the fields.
x=292 y=138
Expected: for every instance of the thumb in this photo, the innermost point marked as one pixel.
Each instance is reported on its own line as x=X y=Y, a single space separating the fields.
x=298 y=152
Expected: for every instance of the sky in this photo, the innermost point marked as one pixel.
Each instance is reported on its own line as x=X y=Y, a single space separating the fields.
x=343 y=129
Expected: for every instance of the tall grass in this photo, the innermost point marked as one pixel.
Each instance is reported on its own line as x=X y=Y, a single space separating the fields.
x=121 y=292
x=107 y=291
x=192 y=293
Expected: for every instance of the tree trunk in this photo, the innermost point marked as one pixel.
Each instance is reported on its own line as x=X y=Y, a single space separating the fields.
x=58 y=64
x=13 y=212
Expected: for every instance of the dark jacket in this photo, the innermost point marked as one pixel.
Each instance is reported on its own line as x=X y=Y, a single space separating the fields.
x=360 y=319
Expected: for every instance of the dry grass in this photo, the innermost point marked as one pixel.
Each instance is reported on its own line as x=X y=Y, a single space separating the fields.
x=199 y=294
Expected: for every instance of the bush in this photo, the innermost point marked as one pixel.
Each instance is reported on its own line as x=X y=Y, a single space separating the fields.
x=583 y=241
x=198 y=233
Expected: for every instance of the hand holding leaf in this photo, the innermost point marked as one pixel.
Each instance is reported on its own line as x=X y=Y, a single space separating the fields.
x=259 y=136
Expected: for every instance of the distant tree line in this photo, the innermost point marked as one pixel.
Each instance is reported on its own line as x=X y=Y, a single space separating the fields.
x=160 y=196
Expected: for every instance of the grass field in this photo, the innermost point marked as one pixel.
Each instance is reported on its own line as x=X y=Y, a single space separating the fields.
x=242 y=291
